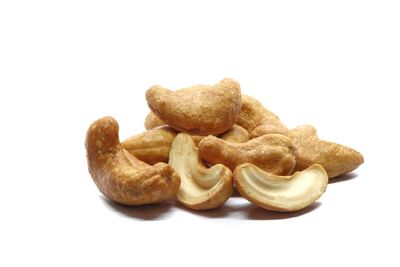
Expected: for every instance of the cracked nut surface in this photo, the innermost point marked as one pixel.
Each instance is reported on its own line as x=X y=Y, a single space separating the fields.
x=201 y=188
x=257 y=120
x=151 y=146
x=119 y=175
x=336 y=159
x=281 y=193
x=200 y=109
x=272 y=152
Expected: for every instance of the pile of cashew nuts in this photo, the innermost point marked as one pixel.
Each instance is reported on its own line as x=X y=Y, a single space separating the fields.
x=202 y=142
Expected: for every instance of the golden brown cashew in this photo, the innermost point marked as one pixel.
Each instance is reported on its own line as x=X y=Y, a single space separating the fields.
x=257 y=120
x=236 y=134
x=281 y=193
x=201 y=188
x=151 y=146
x=152 y=121
x=336 y=159
x=119 y=175
x=272 y=152
x=200 y=109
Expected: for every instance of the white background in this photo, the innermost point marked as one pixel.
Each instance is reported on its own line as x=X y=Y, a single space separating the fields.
x=64 y=64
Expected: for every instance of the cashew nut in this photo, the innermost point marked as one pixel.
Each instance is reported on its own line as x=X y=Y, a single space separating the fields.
x=272 y=152
x=151 y=146
x=200 y=109
x=336 y=159
x=257 y=120
x=152 y=121
x=281 y=193
x=201 y=188
x=119 y=175
x=236 y=134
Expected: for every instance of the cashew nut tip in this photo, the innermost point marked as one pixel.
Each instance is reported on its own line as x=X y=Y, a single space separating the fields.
x=335 y=158
x=152 y=121
x=200 y=109
x=201 y=188
x=271 y=152
x=120 y=176
x=281 y=193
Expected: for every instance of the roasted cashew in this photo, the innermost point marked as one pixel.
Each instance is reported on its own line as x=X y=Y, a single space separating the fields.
x=119 y=175
x=336 y=159
x=272 y=152
x=151 y=146
x=200 y=109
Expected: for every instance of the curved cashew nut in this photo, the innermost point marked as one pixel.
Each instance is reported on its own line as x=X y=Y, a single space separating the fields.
x=272 y=152
x=200 y=109
x=201 y=188
x=119 y=175
x=151 y=146
x=281 y=193
x=257 y=120
x=336 y=159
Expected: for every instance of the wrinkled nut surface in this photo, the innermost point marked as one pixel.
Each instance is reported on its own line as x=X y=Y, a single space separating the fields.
x=151 y=146
x=201 y=188
x=152 y=121
x=257 y=120
x=281 y=193
x=336 y=159
x=200 y=109
x=119 y=175
x=274 y=153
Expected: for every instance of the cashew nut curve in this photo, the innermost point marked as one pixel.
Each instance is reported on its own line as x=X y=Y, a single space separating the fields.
x=201 y=188
x=281 y=193
x=119 y=175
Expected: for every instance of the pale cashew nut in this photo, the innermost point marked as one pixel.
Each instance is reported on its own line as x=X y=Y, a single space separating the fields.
x=119 y=175
x=257 y=120
x=151 y=146
x=272 y=152
x=200 y=109
x=336 y=159
x=201 y=188
x=281 y=193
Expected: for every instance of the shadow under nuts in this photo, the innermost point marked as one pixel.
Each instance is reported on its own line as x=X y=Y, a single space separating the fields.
x=336 y=159
x=200 y=109
x=122 y=177
x=274 y=153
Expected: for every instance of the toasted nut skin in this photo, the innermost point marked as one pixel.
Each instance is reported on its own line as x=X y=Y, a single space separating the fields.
x=119 y=175
x=274 y=153
x=257 y=120
x=151 y=146
x=281 y=193
x=201 y=188
x=200 y=109
x=236 y=134
x=152 y=121
x=336 y=159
